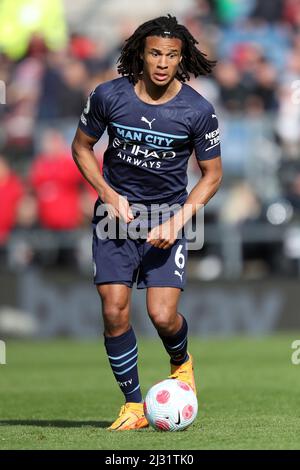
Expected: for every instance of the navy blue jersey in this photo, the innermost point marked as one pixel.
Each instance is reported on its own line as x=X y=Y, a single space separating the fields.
x=149 y=145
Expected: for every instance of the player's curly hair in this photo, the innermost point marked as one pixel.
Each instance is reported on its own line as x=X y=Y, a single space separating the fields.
x=193 y=60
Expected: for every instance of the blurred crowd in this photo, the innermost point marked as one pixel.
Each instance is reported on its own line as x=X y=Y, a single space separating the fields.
x=255 y=88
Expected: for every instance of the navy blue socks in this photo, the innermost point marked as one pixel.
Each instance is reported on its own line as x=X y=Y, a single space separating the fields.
x=122 y=353
x=176 y=345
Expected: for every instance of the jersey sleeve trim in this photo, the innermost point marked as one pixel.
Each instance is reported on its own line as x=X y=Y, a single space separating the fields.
x=210 y=157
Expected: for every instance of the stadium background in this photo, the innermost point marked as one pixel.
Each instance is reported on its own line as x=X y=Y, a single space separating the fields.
x=245 y=280
x=52 y=55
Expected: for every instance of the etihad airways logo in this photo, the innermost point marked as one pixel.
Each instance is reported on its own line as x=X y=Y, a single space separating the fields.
x=142 y=151
x=146 y=145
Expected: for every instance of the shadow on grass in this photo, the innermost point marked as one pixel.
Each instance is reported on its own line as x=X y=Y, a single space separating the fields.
x=54 y=423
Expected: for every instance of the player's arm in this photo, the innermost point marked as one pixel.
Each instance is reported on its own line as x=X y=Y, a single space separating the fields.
x=207 y=151
x=164 y=235
x=85 y=159
x=203 y=191
x=206 y=142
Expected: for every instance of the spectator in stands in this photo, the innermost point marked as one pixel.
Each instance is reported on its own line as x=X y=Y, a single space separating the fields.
x=257 y=45
x=23 y=86
x=63 y=87
x=11 y=190
x=232 y=91
x=240 y=205
x=292 y=13
x=269 y=10
x=290 y=181
x=56 y=181
x=288 y=123
x=265 y=86
x=72 y=97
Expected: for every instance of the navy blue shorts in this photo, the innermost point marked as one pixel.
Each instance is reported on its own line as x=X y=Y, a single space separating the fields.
x=125 y=261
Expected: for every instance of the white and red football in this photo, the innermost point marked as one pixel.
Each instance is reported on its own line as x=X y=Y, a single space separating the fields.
x=170 y=405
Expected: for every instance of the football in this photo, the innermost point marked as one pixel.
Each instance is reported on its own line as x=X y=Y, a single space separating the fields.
x=170 y=405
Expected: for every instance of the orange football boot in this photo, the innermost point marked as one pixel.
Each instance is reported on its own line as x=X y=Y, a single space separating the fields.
x=131 y=416
x=185 y=372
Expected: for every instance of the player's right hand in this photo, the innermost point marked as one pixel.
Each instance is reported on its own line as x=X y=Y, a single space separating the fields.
x=117 y=205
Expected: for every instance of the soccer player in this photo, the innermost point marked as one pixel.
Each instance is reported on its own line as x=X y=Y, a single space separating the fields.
x=154 y=122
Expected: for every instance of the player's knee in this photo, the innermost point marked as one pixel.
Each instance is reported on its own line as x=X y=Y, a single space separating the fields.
x=115 y=316
x=163 y=320
x=114 y=312
x=115 y=326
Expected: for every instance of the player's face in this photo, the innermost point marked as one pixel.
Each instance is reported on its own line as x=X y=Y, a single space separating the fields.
x=161 y=59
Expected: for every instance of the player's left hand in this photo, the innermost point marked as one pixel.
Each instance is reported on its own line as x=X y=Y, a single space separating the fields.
x=164 y=235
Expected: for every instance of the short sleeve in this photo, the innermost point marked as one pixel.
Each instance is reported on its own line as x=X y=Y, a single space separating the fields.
x=93 y=120
x=206 y=136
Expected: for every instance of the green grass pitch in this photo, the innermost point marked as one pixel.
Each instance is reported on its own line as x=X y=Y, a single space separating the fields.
x=62 y=395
